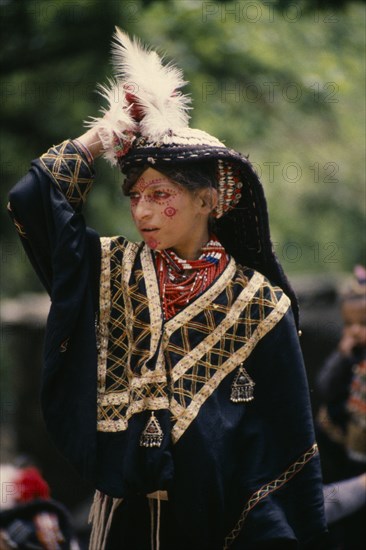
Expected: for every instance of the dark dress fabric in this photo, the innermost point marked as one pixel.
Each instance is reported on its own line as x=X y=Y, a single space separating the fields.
x=243 y=476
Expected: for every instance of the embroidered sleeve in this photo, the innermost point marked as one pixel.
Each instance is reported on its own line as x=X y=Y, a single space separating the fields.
x=70 y=169
x=18 y=226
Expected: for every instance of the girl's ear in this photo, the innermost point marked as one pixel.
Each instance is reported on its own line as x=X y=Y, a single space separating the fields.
x=208 y=199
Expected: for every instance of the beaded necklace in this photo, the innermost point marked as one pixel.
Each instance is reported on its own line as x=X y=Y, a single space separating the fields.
x=181 y=281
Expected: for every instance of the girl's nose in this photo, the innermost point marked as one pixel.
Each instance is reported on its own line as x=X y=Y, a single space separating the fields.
x=142 y=209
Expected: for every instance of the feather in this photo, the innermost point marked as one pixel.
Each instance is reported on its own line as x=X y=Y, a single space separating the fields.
x=143 y=98
x=116 y=119
x=154 y=86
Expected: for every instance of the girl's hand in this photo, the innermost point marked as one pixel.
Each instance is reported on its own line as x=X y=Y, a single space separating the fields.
x=92 y=142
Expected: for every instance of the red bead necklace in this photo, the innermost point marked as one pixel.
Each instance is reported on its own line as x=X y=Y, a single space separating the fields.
x=181 y=281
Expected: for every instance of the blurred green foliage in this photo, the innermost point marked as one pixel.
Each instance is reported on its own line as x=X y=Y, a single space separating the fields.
x=280 y=81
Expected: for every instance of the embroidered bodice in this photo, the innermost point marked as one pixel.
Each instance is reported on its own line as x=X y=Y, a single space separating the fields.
x=148 y=364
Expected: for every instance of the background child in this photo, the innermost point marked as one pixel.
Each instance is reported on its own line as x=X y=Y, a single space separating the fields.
x=341 y=384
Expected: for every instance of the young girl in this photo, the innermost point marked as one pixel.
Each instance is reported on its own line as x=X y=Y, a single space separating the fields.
x=173 y=375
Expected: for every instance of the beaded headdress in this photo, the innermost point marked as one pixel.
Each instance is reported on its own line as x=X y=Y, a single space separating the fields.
x=146 y=124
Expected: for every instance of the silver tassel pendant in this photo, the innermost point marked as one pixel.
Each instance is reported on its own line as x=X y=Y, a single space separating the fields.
x=242 y=388
x=152 y=436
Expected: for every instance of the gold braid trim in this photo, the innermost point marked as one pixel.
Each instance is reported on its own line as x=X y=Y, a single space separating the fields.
x=184 y=419
x=185 y=373
x=153 y=295
x=109 y=248
x=244 y=297
x=104 y=310
x=126 y=269
x=18 y=226
x=269 y=488
x=69 y=170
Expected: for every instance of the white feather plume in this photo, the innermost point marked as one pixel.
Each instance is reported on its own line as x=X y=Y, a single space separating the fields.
x=155 y=89
x=155 y=86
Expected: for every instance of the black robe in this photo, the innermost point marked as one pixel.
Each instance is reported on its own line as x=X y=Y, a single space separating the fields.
x=238 y=475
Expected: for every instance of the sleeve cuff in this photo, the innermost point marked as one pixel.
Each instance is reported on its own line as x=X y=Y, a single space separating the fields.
x=70 y=169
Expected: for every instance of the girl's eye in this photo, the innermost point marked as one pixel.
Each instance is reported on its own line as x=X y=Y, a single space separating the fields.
x=133 y=196
x=161 y=194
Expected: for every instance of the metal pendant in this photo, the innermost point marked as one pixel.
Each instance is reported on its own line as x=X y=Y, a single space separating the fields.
x=152 y=436
x=242 y=388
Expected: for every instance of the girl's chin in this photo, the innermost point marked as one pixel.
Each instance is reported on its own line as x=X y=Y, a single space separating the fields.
x=153 y=243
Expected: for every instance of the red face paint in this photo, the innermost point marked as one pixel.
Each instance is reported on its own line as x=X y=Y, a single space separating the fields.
x=170 y=211
x=143 y=184
x=152 y=243
x=155 y=202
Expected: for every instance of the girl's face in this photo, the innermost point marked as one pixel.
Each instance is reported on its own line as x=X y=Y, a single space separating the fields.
x=354 y=317
x=169 y=216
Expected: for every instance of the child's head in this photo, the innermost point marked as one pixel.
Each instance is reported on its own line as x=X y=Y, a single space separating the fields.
x=354 y=308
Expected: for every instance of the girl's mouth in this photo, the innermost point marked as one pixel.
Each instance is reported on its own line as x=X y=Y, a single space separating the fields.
x=149 y=230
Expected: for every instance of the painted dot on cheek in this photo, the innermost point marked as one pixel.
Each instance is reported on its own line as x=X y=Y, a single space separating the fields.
x=170 y=211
